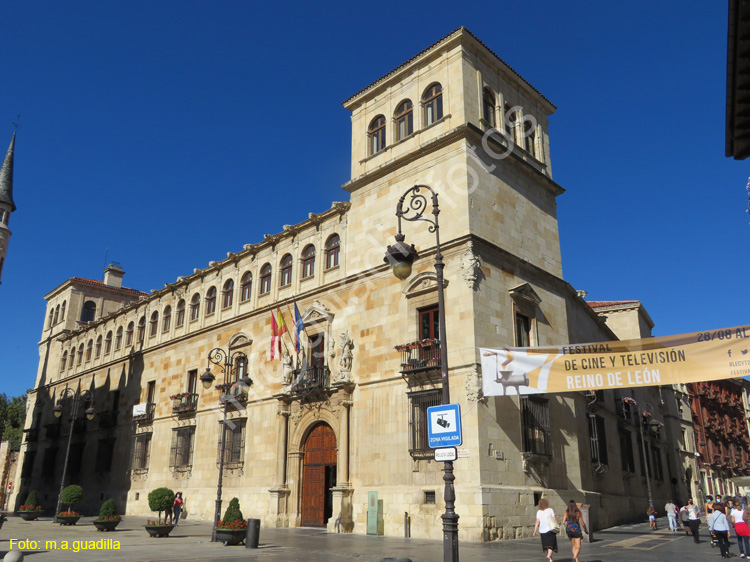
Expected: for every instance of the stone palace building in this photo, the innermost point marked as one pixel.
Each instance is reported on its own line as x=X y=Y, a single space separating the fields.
x=326 y=435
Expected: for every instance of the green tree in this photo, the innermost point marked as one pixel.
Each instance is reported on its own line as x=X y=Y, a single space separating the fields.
x=71 y=495
x=109 y=509
x=160 y=499
x=12 y=418
x=233 y=512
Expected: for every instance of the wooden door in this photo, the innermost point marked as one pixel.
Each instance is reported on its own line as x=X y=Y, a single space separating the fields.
x=320 y=453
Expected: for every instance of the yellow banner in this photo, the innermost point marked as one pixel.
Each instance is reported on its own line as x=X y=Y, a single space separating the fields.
x=701 y=356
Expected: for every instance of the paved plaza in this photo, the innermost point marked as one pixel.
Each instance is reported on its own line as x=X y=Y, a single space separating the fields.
x=191 y=541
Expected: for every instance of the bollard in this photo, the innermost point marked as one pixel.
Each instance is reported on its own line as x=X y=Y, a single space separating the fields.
x=252 y=535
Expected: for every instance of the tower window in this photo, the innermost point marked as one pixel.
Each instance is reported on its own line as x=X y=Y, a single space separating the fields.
x=88 y=312
x=488 y=107
x=376 y=133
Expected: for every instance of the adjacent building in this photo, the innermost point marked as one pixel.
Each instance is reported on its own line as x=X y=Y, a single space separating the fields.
x=334 y=430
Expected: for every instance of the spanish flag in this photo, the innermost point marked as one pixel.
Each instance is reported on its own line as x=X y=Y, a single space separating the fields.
x=281 y=326
x=274 y=334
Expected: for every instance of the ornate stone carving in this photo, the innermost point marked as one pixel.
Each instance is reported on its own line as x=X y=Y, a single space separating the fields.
x=471 y=267
x=286 y=377
x=345 y=362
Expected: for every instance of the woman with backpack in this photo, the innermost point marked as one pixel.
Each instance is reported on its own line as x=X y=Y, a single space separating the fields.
x=574 y=527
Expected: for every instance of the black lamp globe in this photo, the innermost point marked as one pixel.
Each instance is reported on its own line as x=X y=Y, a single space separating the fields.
x=401 y=256
x=207 y=378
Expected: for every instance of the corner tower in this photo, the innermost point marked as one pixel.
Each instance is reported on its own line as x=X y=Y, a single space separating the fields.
x=7 y=206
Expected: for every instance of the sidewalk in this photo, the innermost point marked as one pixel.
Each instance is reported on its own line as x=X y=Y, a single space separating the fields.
x=191 y=541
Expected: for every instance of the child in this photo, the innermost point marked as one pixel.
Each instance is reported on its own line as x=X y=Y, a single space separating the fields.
x=651 y=512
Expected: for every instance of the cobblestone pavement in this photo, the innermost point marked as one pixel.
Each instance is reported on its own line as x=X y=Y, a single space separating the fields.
x=191 y=541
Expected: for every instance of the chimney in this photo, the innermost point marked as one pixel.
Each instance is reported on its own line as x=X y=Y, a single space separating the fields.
x=113 y=275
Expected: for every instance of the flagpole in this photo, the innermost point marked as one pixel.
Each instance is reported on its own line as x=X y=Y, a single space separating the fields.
x=286 y=330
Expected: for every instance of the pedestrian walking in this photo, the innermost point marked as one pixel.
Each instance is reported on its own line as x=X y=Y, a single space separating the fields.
x=684 y=518
x=574 y=527
x=671 y=509
x=651 y=512
x=694 y=519
x=739 y=518
x=719 y=527
x=177 y=508
x=546 y=523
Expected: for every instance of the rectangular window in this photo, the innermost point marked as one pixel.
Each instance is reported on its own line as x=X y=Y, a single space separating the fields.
x=523 y=330
x=192 y=381
x=234 y=443
x=419 y=402
x=141 y=452
x=535 y=425
x=181 y=455
x=151 y=392
x=658 y=468
x=626 y=451
x=598 y=440
x=429 y=323
x=48 y=465
x=104 y=455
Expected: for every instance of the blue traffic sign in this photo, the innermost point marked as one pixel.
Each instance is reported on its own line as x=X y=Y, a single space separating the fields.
x=444 y=426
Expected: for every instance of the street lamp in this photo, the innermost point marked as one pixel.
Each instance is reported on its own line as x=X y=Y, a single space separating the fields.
x=644 y=415
x=77 y=396
x=225 y=360
x=401 y=256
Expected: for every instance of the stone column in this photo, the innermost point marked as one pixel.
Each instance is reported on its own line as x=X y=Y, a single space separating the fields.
x=341 y=522
x=278 y=516
x=294 y=480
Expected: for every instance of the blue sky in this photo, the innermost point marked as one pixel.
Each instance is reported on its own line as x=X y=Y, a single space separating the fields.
x=171 y=132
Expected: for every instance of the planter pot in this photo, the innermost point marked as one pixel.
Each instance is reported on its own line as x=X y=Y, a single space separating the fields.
x=106 y=525
x=159 y=530
x=68 y=519
x=29 y=515
x=230 y=537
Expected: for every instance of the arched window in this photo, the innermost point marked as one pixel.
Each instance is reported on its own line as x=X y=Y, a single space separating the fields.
x=63 y=360
x=432 y=103
x=108 y=343
x=89 y=349
x=57 y=314
x=118 y=339
x=62 y=311
x=211 y=301
x=529 y=135
x=404 y=119
x=51 y=315
x=129 y=334
x=308 y=261
x=227 y=293
x=88 y=312
x=265 y=279
x=166 y=319
x=332 y=251
x=240 y=368
x=376 y=134
x=141 y=329
x=153 y=324
x=246 y=286
x=488 y=106
x=80 y=354
x=98 y=351
x=180 y=313
x=509 y=118
x=285 y=277
x=195 y=307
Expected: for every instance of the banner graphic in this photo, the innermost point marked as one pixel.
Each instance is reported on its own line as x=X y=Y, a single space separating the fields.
x=701 y=356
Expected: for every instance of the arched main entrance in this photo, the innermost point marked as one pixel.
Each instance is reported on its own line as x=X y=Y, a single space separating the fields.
x=318 y=475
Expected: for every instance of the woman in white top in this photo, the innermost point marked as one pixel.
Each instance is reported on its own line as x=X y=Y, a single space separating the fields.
x=549 y=537
x=741 y=528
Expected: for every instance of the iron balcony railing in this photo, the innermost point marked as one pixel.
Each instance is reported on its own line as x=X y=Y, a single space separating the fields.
x=311 y=378
x=419 y=356
x=185 y=404
x=148 y=416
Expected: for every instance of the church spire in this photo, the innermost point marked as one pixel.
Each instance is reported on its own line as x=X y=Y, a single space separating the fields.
x=6 y=176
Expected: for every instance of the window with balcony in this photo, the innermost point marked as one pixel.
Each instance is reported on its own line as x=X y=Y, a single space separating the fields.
x=535 y=428
x=234 y=443
x=181 y=451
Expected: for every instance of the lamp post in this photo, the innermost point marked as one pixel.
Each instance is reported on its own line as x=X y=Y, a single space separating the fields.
x=642 y=416
x=225 y=360
x=401 y=256
x=76 y=396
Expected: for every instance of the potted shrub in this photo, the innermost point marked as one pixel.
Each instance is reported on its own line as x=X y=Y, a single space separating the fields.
x=160 y=499
x=232 y=529
x=30 y=509
x=70 y=495
x=109 y=517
